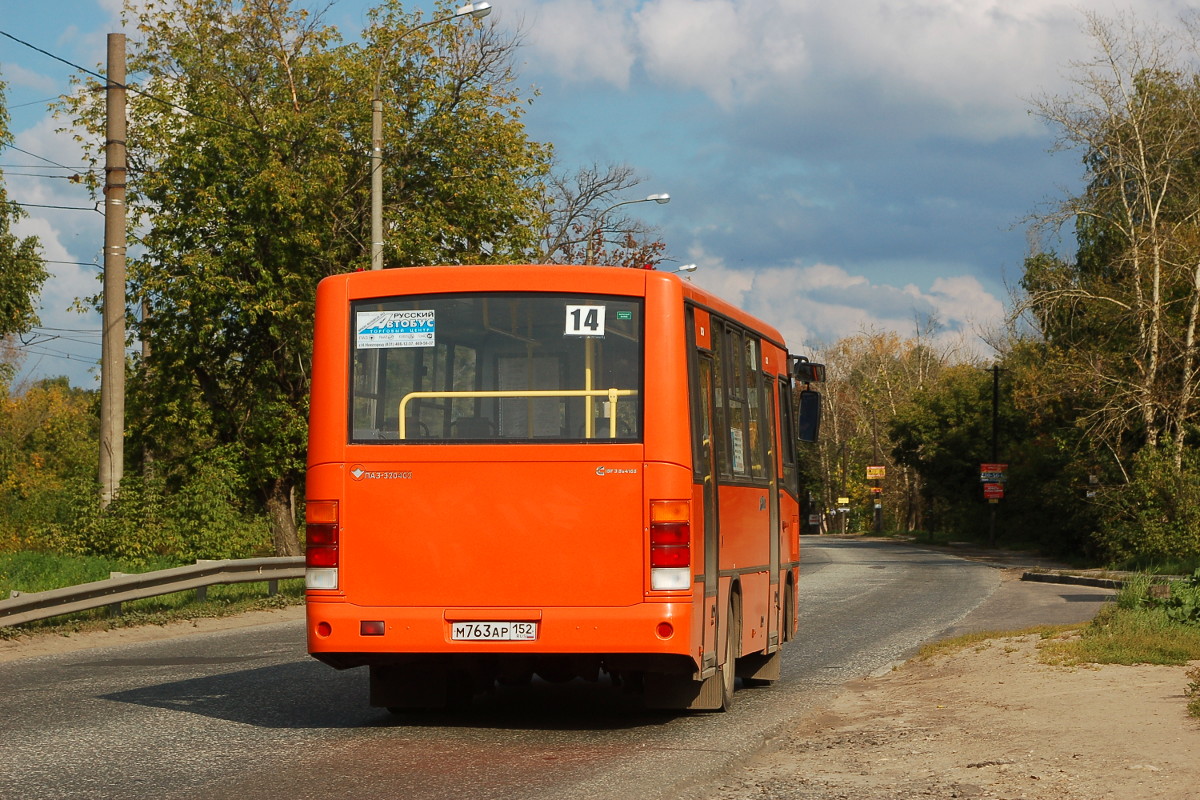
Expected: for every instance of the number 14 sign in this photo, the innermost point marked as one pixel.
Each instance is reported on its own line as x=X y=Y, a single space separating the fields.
x=585 y=321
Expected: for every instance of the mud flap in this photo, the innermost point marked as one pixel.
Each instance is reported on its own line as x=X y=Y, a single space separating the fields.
x=760 y=668
x=682 y=692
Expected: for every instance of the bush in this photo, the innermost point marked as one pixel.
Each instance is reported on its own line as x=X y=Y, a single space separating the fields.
x=1156 y=516
x=201 y=516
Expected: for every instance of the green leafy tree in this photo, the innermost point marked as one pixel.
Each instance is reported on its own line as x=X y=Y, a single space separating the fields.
x=22 y=271
x=1125 y=315
x=250 y=184
x=944 y=434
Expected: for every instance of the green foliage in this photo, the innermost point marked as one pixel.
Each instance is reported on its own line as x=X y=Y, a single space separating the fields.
x=203 y=516
x=944 y=434
x=1142 y=635
x=261 y=191
x=1179 y=599
x=1156 y=516
x=38 y=571
x=49 y=497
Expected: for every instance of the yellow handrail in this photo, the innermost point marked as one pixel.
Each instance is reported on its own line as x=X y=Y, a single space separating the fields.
x=611 y=394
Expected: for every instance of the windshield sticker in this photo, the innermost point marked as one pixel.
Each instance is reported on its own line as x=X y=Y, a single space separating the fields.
x=585 y=321
x=376 y=329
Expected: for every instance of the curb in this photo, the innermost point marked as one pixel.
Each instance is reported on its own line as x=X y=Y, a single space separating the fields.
x=1072 y=580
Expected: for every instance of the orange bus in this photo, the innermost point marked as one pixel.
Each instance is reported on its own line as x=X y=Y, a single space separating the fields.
x=565 y=471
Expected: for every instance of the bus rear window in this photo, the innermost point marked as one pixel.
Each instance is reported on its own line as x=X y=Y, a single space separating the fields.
x=497 y=368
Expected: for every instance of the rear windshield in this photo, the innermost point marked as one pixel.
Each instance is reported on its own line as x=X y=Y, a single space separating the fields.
x=497 y=368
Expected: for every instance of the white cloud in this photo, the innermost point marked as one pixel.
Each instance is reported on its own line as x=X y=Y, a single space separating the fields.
x=730 y=50
x=970 y=64
x=17 y=75
x=818 y=304
x=581 y=40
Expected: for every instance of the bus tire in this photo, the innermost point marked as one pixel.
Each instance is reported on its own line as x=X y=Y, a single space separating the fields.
x=728 y=670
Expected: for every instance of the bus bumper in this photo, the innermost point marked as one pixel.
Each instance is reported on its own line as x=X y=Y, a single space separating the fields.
x=346 y=635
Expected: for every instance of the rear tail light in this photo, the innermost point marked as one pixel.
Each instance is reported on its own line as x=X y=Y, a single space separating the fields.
x=670 y=545
x=321 y=535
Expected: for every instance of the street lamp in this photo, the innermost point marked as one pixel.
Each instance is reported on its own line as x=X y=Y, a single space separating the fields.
x=473 y=10
x=686 y=268
x=590 y=252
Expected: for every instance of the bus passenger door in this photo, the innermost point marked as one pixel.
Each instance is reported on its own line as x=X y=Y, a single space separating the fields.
x=707 y=469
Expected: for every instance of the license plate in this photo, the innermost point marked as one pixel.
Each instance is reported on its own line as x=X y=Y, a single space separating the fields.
x=494 y=631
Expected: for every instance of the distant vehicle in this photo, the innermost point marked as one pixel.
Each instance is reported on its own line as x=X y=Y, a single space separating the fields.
x=555 y=470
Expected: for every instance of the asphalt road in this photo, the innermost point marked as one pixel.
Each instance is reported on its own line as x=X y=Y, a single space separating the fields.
x=247 y=714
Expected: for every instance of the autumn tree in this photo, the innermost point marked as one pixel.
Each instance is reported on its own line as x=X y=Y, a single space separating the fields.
x=872 y=378
x=248 y=145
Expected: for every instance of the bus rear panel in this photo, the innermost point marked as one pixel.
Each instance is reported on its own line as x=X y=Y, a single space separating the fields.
x=502 y=483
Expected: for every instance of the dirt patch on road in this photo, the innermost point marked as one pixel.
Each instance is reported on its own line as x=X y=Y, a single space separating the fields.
x=989 y=722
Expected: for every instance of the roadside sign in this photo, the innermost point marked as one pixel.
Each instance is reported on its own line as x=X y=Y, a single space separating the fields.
x=993 y=473
x=876 y=473
x=876 y=490
x=993 y=491
x=843 y=501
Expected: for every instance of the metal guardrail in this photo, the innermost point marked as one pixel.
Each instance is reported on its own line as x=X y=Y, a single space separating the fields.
x=29 y=606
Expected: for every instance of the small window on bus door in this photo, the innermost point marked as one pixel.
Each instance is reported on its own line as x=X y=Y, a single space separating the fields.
x=497 y=368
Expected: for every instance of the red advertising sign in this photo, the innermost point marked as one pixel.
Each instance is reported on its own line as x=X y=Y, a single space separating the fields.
x=993 y=491
x=993 y=473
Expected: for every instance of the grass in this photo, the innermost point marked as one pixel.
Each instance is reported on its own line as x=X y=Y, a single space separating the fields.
x=33 y=571
x=36 y=572
x=1128 y=636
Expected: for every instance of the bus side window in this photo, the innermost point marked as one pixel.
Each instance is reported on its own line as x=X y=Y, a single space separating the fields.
x=722 y=398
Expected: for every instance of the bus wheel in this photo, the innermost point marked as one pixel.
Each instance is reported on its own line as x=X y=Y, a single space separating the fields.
x=733 y=634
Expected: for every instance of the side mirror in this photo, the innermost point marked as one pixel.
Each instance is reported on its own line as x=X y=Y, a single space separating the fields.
x=808 y=426
x=805 y=371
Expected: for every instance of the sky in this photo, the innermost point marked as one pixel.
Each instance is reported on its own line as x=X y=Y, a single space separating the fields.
x=835 y=168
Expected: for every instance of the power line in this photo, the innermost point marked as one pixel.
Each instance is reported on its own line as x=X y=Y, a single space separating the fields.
x=72 y=263
x=43 y=158
x=70 y=178
x=43 y=166
x=32 y=103
x=60 y=208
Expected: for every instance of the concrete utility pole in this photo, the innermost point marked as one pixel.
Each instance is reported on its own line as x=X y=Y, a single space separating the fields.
x=112 y=343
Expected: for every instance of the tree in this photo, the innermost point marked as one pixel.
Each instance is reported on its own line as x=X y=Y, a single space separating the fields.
x=944 y=434
x=871 y=379
x=575 y=220
x=1123 y=317
x=248 y=142
x=22 y=271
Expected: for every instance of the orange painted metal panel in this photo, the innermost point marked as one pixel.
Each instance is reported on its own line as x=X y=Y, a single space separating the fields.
x=556 y=533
